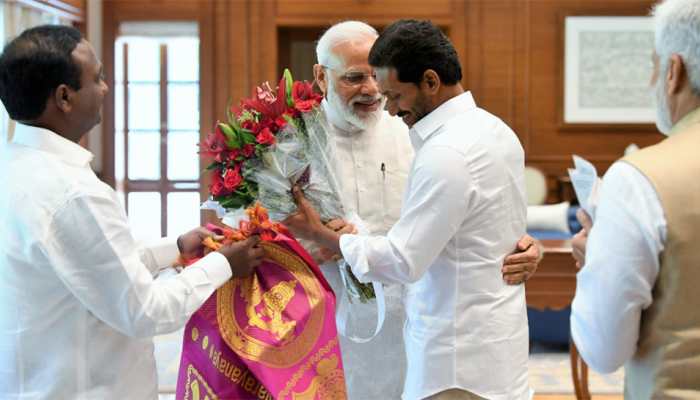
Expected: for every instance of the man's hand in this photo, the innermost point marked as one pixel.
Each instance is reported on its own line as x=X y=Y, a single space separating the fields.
x=341 y=227
x=190 y=243
x=306 y=223
x=578 y=243
x=520 y=265
x=243 y=256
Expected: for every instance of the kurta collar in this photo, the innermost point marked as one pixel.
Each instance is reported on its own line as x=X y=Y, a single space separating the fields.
x=53 y=143
x=424 y=128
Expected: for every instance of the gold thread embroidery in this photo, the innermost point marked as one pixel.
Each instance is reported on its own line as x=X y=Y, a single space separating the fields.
x=329 y=382
x=307 y=365
x=275 y=301
x=195 y=334
x=294 y=349
x=193 y=389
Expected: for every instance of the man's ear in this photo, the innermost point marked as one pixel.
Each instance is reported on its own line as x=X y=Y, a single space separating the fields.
x=63 y=97
x=676 y=76
x=431 y=81
x=321 y=78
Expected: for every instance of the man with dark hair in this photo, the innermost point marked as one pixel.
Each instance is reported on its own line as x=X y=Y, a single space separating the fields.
x=78 y=299
x=464 y=207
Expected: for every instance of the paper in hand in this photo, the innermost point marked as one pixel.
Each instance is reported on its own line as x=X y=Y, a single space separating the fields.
x=584 y=178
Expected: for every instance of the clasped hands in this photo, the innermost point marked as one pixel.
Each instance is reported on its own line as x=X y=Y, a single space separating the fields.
x=306 y=223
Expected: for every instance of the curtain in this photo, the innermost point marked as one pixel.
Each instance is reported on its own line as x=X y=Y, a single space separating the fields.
x=15 y=18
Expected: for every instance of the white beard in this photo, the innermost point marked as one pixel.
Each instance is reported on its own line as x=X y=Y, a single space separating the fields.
x=663 y=114
x=346 y=112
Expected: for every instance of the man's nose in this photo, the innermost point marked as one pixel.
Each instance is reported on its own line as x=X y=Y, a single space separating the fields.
x=370 y=87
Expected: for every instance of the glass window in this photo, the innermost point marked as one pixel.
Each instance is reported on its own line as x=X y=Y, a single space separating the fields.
x=182 y=61
x=183 y=106
x=183 y=212
x=183 y=160
x=144 y=155
x=144 y=106
x=153 y=58
x=144 y=215
x=144 y=60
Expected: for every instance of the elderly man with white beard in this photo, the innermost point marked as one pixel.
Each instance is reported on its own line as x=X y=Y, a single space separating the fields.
x=637 y=292
x=374 y=156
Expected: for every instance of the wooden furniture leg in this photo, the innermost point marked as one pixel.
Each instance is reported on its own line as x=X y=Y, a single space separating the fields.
x=579 y=374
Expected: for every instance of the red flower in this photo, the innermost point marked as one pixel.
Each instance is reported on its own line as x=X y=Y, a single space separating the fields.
x=281 y=122
x=248 y=150
x=251 y=126
x=232 y=179
x=266 y=103
x=233 y=154
x=214 y=144
x=304 y=97
x=265 y=137
x=269 y=124
x=217 y=187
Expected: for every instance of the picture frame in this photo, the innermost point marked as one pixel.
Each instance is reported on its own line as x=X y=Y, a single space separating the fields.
x=607 y=68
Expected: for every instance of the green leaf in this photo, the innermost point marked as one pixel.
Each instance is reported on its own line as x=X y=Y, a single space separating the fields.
x=213 y=166
x=290 y=82
x=248 y=138
x=232 y=139
x=229 y=113
x=232 y=202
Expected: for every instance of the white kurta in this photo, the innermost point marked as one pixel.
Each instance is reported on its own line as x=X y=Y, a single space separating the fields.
x=78 y=301
x=373 y=370
x=463 y=211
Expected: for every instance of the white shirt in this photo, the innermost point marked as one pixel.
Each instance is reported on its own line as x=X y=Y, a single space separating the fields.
x=622 y=263
x=463 y=211
x=374 y=370
x=78 y=301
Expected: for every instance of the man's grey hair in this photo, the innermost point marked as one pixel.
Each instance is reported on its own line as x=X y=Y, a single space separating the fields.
x=677 y=31
x=342 y=32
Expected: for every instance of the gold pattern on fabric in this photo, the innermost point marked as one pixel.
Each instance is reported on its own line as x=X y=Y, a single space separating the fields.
x=329 y=382
x=338 y=385
x=197 y=388
x=275 y=301
x=292 y=348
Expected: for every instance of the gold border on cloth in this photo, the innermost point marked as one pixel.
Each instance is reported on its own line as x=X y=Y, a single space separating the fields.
x=286 y=354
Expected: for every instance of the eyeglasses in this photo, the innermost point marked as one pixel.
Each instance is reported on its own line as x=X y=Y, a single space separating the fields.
x=354 y=78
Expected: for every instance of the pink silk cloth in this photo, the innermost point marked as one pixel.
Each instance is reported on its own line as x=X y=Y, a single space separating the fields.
x=268 y=336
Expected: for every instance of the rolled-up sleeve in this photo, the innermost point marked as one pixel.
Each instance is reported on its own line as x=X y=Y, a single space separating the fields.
x=91 y=248
x=434 y=208
x=159 y=254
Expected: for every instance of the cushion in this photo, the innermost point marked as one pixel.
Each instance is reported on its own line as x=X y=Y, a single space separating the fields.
x=535 y=186
x=552 y=217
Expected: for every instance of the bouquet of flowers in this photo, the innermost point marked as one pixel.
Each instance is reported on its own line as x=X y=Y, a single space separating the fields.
x=269 y=142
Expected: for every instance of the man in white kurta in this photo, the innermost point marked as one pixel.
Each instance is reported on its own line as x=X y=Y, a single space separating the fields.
x=374 y=156
x=463 y=211
x=637 y=291
x=375 y=369
x=78 y=300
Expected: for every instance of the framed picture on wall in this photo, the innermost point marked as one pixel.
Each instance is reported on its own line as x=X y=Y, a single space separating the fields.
x=607 y=70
